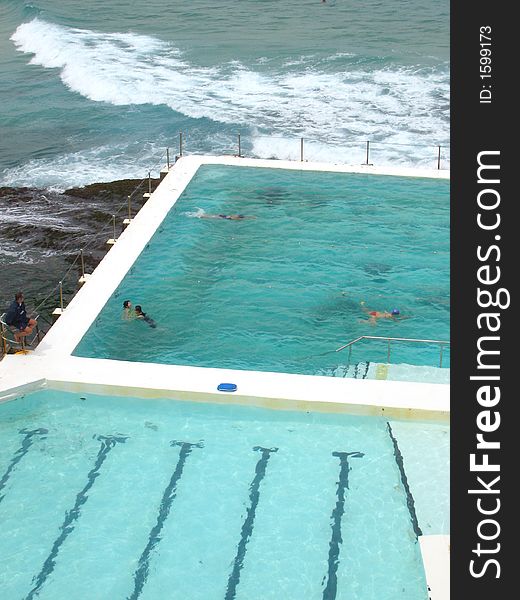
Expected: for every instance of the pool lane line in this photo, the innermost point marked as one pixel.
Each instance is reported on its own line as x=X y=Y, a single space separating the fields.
x=107 y=443
x=141 y=573
x=247 y=527
x=20 y=453
x=330 y=591
x=409 y=497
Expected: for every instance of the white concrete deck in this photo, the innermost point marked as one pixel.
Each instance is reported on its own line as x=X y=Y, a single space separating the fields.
x=53 y=363
x=435 y=550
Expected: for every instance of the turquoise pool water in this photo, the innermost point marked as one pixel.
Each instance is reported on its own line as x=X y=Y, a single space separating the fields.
x=281 y=290
x=107 y=497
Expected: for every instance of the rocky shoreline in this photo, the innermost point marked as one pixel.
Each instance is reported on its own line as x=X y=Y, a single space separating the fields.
x=42 y=232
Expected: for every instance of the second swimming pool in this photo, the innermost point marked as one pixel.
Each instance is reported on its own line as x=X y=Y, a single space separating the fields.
x=282 y=288
x=113 y=497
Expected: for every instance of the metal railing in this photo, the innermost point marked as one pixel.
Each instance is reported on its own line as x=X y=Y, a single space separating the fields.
x=364 y=152
x=361 y=151
x=9 y=342
x=389 y=340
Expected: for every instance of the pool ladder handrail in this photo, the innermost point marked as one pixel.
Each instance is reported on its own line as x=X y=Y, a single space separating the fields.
x=349 y=345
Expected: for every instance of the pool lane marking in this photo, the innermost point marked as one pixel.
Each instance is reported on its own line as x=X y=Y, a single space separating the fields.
x=20 y=453
x=247 y=527
x=409 y=497
x=329 y=593
x=141 y=573
x=107 y=443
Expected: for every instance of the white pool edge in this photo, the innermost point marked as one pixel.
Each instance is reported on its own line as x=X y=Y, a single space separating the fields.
x=392 y=399
x=435 y=552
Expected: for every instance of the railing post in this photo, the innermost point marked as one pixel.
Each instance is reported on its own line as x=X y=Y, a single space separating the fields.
x=439 y=159
x=180 y=143
x=149 y=183
x=440 y=359
x=82 y=263
x=388 y=353
x=168 y=158
x=128 y=220
x=368 y=151
x=57 y=312
x=239 y=147
x=301 y=149
x=83 y=279
x=113 y=227
x=349 y=353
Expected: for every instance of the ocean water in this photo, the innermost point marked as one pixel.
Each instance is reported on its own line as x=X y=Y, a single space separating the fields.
x=105 y=497
x=281 y=289
x=96 y=91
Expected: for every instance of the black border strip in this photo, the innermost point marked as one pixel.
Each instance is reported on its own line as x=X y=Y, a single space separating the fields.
x=484 y=113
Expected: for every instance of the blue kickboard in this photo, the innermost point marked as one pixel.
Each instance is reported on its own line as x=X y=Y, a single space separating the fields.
x=227 y=387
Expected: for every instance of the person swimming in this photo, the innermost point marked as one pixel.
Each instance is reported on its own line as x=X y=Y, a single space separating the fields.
x=128 y=312
x=139 y=314
x=233 y=217
x=374 y=315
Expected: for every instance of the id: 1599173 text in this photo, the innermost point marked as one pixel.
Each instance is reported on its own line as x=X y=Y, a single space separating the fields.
x=485 y=95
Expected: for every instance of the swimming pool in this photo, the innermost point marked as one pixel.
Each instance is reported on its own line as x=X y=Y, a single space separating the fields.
x=282 y=289
x=112 y=497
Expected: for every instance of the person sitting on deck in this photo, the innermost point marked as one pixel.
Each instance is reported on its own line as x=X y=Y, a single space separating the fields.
x=17 y=318
x=139 y=314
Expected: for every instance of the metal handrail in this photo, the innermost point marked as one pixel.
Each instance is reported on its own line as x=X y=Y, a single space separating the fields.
x=349 y=345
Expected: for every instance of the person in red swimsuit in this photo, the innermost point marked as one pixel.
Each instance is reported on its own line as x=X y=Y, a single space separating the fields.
x=374 y=315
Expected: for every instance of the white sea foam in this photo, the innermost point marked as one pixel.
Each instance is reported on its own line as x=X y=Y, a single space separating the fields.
x=400 y=105
x=17 y=215
x=196 y=214
x=11 y=254
x=76 y=169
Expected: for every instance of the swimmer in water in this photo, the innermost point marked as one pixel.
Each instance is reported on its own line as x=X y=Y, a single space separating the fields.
x=128 y=311
x=374 y=315
x=235 y=217
x=139 y=314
